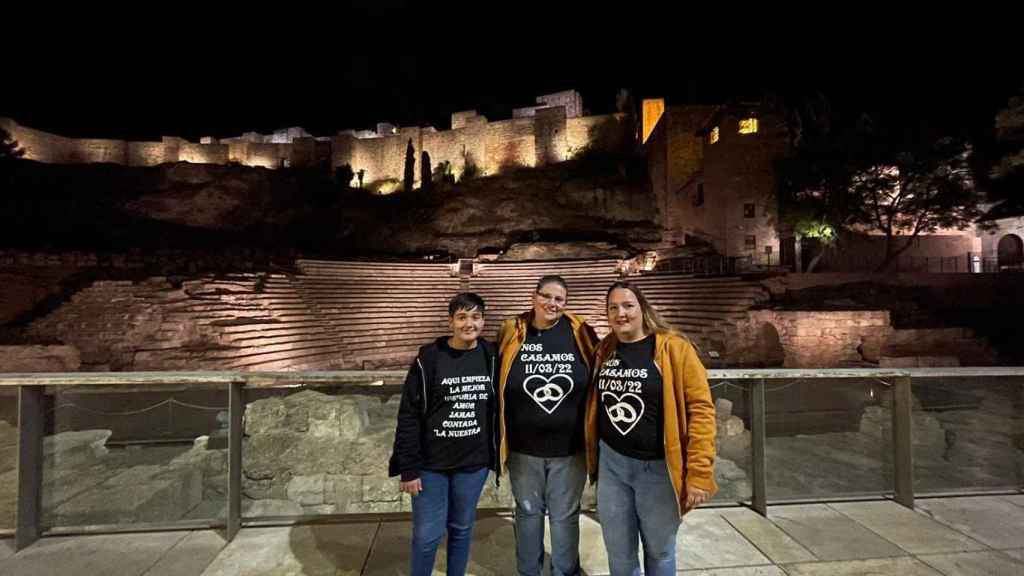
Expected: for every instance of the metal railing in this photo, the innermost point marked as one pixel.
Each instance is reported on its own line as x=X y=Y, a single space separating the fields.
x=966 y=263
x=970 y=263
x=32 y=390
x=720 y=265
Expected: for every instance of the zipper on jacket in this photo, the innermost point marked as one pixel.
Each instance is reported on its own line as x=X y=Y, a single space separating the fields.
x=423 y=379
x=502 y=415
x=494 y=426
x=664 y=443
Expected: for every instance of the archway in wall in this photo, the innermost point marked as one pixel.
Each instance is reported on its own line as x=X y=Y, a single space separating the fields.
x=769 y=346
x=1011 y=252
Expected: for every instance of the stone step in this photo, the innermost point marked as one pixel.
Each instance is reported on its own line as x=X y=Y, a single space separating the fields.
x=268 y=352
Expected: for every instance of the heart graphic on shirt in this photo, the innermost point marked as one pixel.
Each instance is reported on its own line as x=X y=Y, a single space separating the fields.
x=548 y=391
x=624 y=411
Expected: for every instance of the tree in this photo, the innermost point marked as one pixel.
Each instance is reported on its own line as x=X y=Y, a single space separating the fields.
x=344 y=174
x=626 y=105
x=1005 y=166
x=1010 y=137
x=850 y=174
x=443 y=172
x=815 y=178
x=410 y=167
x=426 y=178
x=922 y=191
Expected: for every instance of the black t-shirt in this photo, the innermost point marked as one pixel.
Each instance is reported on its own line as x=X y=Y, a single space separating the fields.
x=457 y=429
x=545 y=394
x=629 y=388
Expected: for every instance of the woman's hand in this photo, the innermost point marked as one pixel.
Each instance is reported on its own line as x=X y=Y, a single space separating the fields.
x=412 y=487
x=694 y=497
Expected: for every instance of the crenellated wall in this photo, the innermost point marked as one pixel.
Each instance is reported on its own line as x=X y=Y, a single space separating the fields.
x=552 y=132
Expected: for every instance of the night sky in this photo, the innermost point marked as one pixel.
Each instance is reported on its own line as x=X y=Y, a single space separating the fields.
x=386 y=63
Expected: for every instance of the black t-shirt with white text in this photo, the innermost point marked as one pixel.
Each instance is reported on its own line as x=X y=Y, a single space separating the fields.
x=629 y=389
x=457 y=429
x=545 y=394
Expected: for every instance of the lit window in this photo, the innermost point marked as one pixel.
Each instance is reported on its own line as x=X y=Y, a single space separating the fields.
x=713 y=137
x=653 y=109
x=748 y=126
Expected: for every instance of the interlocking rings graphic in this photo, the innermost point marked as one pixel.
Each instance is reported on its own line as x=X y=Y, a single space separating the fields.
x=624 y=411
x=550 y=392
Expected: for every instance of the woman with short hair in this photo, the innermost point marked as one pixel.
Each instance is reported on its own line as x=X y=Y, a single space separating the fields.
x=445 y=438
x=547 y=355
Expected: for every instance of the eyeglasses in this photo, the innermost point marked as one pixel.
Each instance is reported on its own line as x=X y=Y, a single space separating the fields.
x=556 y=300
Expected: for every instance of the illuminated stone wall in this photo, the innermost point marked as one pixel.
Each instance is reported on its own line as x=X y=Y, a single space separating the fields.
x=510 y=143
x=146 y=153
x=604 y=131
x=550 y=135
x=675 y=158
x=818 y=339
x=46 y=147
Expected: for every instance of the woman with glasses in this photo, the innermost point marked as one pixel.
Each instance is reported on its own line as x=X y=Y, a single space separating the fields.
x=546 y=356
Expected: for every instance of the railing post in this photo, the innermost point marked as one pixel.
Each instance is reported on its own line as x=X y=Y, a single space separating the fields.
x=31 y=420
x=1020 y=433
x=236 y=408
x=759 y=489
x=903 y=456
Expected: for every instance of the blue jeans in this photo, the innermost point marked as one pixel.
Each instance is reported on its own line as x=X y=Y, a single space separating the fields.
x=555 y=486
x=447 y=502
x=635 y=499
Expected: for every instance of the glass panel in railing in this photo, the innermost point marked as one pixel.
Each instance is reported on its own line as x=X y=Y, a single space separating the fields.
x=325 y=450
x=732 y=463
x=134 y=454
x=8 y=456
x=828 y=438
x=968 y=433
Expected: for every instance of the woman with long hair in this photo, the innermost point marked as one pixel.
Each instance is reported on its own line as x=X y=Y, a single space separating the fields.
x=650 y=434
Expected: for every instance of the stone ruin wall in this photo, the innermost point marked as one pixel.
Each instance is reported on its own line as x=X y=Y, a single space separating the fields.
x=555 y=131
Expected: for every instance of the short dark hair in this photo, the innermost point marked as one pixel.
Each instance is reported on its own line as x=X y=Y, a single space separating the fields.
x=551 y=279
x=466 y=301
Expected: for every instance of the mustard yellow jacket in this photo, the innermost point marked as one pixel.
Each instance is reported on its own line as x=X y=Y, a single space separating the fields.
x=510 y=338
x=689 y=414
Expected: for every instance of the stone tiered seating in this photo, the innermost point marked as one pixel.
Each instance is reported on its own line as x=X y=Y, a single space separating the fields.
x=697 y=304
x=287 y=335
x=346 y=315
x=242 y=322
x=379 y=313
x=108 y=311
